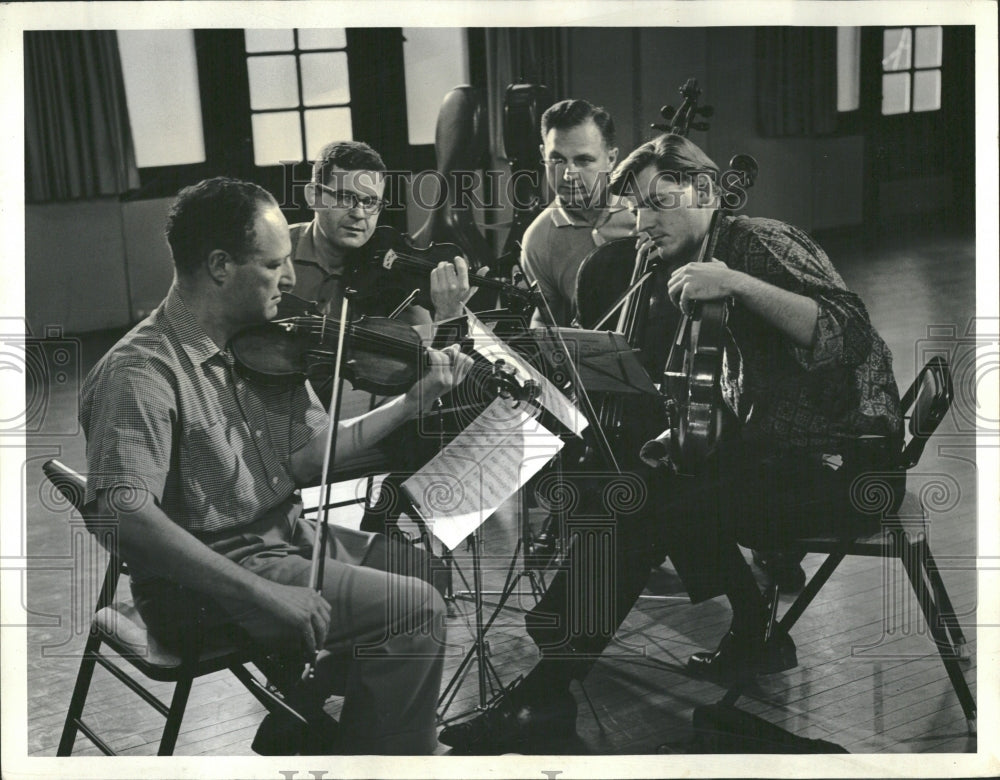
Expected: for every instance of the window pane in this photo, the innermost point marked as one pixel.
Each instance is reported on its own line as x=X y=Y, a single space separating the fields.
x=895 y=93
x=324 y=125
x=927 y=48
x=276 y=138
x=323 y=39
x=269 y=40
x=436 y=60
x=896 y=48
x=848 y=68
x=324 y=79
x=273 y=83
x=927 y=90
x=166 y=96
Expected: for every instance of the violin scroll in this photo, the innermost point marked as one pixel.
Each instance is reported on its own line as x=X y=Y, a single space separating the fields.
x=506 y=386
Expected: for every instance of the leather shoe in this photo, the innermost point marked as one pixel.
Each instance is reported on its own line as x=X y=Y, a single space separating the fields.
x=784 y=570
x=283 y=735
x=542 y=548
x=739 y=659
x=505 y=726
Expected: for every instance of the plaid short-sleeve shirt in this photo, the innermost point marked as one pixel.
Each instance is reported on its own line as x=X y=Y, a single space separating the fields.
x=166 y=411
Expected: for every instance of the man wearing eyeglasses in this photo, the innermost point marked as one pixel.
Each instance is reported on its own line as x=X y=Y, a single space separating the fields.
x=578 y=149
x=346 y=195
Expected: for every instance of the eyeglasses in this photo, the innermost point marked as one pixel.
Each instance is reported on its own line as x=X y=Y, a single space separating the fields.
x=346 y=199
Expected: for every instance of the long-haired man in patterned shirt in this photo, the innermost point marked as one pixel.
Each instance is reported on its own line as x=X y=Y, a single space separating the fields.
x=809 y=380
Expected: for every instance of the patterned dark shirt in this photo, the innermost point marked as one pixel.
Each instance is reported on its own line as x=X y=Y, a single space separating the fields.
x=792 y=397
x=166 y=410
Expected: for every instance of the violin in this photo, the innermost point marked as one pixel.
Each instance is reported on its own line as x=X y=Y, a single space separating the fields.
x=382 y=356
x=398 y=264
x=693 y=371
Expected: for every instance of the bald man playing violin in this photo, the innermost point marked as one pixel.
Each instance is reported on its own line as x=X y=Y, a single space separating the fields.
x=202 y=469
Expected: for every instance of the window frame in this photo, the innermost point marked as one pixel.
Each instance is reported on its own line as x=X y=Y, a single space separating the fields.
x=300 y=108
x=378 y=113
x=913 y=69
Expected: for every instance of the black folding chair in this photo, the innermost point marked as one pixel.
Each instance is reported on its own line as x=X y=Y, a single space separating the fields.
x=904 y=536
x=117 y=625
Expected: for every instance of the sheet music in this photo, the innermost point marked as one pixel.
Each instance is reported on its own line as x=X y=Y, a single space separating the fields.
x=493 y=349
x=479 y=469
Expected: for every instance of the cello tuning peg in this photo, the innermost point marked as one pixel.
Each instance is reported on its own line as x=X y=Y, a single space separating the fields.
x=661 y=128
x=667 y=112
x=705 y=111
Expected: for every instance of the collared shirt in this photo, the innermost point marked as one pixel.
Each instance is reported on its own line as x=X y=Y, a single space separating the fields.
x=165 y=410
x=555 y=245
x=314 y=280
x=793 y=397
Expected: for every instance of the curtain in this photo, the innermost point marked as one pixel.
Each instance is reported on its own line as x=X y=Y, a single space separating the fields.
x=521 y=54
x=78 y=143
x=796 y=81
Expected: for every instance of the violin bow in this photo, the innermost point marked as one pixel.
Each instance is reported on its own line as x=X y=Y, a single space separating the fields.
x=319 y=544
x=581 y=392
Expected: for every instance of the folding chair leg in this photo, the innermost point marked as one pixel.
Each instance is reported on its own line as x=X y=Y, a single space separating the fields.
x=940 y=636
x=263 y=694
x=79 y=698
x=804 y=599
x=948 y=617
x=174 y=717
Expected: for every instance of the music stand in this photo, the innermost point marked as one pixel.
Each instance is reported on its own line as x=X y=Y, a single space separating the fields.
x=602 y=362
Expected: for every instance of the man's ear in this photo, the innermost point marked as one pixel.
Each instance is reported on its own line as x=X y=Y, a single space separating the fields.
x=541 y=151
x=310 y=193
x=613 y=156
x=218 y=265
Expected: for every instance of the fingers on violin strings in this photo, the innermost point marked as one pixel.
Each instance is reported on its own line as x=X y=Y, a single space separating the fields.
x=461 y=367
x=450 y=354
x=675 y=287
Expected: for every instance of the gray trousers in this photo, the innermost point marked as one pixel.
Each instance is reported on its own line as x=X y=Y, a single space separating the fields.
x=385 y=646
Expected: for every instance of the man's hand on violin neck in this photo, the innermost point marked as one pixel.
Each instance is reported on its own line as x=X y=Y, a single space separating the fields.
x=447 y=369
x=707 y=281
x=450 y=287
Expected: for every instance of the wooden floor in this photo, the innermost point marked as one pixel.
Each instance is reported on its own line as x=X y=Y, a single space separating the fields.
x=868 y=678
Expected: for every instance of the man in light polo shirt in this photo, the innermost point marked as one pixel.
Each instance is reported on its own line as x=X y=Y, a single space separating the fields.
x=578 y=149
